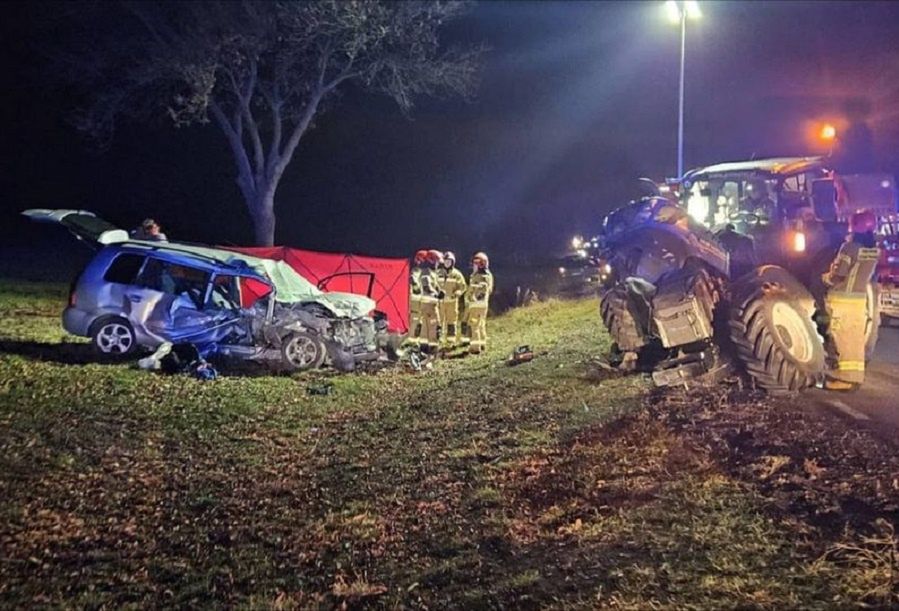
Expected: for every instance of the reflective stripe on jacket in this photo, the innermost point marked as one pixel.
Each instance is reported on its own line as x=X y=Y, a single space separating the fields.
x=480 y=286
x=852 y=269
x=451 y=282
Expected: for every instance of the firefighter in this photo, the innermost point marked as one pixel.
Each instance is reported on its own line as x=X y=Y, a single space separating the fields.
x=477 y=299
x=429 y=309
x=452 y=283
x=845 y=301
x=415 y=295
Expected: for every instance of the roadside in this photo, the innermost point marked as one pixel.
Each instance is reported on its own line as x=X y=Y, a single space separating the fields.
x=875 y=406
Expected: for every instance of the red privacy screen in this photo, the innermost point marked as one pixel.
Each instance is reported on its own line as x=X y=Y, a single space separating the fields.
x=384 y=280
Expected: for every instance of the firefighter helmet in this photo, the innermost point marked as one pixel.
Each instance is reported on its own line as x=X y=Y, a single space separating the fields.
x=863 y=221
x=420 y=256
x=434 y=257
x=480 y=260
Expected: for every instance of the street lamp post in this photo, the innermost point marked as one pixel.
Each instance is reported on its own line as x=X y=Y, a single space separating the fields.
x=679 y=12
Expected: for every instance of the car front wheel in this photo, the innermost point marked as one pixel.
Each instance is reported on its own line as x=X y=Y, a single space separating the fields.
x=301 y=351
x=112 y=336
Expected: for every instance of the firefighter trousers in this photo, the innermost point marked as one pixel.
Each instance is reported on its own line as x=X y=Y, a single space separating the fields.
x=430 y=323
x=477 y=327
x=449 y=323
x=848 y=319
x=414 y=317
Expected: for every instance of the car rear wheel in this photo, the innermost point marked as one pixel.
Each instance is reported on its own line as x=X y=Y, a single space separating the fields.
x=113 y=336
x=776 y=340
x=301 y=351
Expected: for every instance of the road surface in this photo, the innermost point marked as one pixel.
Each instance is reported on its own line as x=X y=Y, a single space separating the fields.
x=876 y=404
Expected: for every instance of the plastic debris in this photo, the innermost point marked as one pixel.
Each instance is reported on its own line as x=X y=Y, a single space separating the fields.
x=522 y=354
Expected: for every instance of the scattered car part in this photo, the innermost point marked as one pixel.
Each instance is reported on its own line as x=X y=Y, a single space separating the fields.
x=522 y=354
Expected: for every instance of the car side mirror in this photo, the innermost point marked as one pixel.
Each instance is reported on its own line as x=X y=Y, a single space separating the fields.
x=824 y=197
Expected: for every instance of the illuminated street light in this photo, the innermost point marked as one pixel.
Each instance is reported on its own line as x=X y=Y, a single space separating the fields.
x=679 y=12
x=828 y=132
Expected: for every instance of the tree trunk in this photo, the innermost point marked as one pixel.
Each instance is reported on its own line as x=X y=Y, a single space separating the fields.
x=263 y=212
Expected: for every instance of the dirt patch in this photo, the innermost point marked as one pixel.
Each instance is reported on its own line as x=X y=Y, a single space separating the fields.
x=813 y=467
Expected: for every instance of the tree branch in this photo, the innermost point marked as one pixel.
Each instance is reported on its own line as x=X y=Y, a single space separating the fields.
x=274 y=152
x=232 y=133
x=298 y=131
x=246 y=98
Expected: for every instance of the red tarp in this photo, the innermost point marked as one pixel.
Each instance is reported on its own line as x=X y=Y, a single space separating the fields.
x=384 y=280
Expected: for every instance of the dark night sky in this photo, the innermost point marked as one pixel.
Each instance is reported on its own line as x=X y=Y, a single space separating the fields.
x=577 y=100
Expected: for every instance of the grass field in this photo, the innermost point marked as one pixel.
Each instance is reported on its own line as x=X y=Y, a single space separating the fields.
x=472 y=485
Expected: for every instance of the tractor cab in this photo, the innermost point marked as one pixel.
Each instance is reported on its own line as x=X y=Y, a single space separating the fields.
x=794 y=209
x=785 y=207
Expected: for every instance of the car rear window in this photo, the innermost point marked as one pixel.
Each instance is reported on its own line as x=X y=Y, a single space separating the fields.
x=124 y=269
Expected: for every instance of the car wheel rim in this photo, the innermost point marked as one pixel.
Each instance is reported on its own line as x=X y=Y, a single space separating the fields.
x=792 y=331
x=114 y=338
x=302 y=351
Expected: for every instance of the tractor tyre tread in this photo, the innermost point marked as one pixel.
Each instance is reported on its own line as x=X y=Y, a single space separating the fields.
x=619 y=321
x=759 y=352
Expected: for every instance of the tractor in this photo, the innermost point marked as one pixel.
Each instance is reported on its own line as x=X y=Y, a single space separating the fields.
x=726 y=274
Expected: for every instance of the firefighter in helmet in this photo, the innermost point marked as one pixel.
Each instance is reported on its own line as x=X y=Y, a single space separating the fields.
x=415 y=295
x=452 y=283
x=845 y=300
x=477 y=298
x=429 y=300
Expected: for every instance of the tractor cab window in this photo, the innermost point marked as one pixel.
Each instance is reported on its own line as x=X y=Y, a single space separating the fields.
x=757 y=197
x=727 y=201
x=699 y=201
x=795 y=197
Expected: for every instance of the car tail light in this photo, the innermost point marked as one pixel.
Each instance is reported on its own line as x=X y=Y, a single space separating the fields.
x=73 y=296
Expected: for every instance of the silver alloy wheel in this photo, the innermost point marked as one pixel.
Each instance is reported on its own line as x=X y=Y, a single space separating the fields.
x=114 y=338
x=301 y=351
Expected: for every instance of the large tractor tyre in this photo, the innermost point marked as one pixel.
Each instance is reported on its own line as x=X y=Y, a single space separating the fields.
x=872 y=320
x=776 y=340
x=619 y=320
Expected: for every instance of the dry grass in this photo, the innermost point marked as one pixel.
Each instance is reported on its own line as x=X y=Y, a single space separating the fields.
x=474 y=485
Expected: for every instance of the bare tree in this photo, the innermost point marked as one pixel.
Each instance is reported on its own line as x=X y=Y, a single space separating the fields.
x=261 y=72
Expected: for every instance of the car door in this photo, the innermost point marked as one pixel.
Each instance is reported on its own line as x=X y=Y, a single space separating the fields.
x=167 y=301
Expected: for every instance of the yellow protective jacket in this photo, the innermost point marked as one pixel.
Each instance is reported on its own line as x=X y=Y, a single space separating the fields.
x=452 y=283
x=415 y=281
x=428 y=283
x=852 y=269
x=480 y=286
